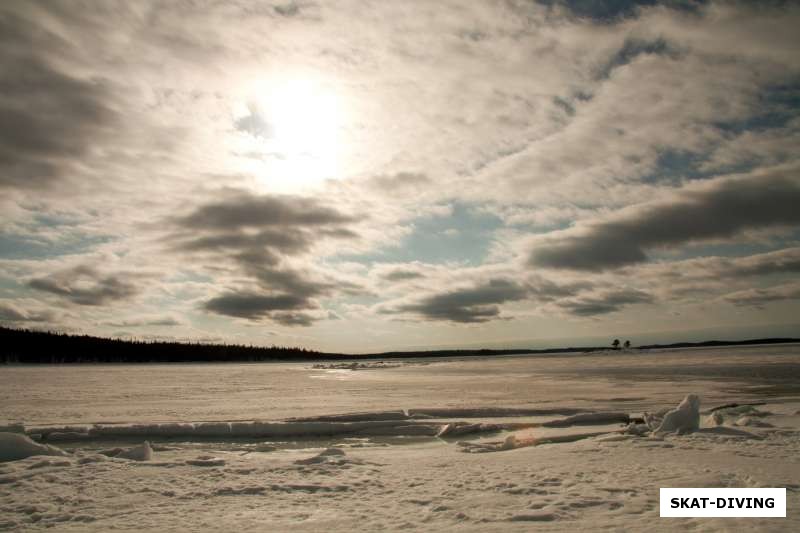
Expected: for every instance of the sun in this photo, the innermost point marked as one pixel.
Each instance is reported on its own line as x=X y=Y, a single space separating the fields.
x=293 y=130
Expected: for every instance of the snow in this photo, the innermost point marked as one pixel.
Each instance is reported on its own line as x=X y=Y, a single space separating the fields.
x=138 y=453
x=14 y=446
x=554 y=444
x=683 y=419
x=206 y=460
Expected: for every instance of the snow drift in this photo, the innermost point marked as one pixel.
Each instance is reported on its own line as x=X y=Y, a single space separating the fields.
x=683 y=419
x=15 y=446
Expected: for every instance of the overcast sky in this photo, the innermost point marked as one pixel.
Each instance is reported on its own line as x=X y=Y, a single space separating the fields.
x=354 y=175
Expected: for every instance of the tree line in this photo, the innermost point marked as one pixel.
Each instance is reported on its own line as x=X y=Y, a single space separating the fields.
x=46 y=347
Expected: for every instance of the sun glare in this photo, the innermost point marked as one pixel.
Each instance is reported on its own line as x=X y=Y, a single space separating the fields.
x=293 y=131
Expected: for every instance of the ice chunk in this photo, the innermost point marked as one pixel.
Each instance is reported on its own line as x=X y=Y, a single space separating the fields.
x=138 y=453
x=456 y=429
x=68 y=436
x=15 y=446
x=752 y=422
x=637 y=429
x=683 y=419
x=589 y=419
x=512 y=442
x=355 y=417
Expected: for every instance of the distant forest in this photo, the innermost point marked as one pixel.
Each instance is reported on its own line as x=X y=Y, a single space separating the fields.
x=25 y=346
x=44 y=347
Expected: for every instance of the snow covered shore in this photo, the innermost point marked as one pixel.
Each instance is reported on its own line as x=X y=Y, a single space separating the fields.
x=607 y=481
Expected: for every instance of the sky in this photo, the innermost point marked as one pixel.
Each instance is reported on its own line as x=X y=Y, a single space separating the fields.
x=362 y=176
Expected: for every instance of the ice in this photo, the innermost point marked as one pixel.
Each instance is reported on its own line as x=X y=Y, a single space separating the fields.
x=326 y=456
x=15 y=446
x=752 y=422
x=490 y=412
x=334 y=462
x=683 y=419
x=206 y=460
x=138 y=453
x=728 y=432
x=355 y=417
x=369 y=425
x=463 y=428
x=715 y=419
x=589 y=419
x=143 y=452
x=512 y=442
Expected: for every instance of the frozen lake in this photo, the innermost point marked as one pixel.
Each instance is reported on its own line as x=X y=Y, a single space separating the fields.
x=633 y=382
x=222 y=455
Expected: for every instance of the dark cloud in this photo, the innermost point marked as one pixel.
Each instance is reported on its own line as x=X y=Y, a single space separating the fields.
x=468 y=305
x=289 y=9
x=545 y=290
x=290 y=240
x=778 y=262
x=12 y=313
x=241 y=210
x=633 y=48
x=607 y=302
x=83 y=285
x=255 y=305
x=258 y=235
x=610 y=11
x=293 y=319
x=482 y=302
x=729 y=269
x=722 y=209
x=402 y=275
x=759 y=298
x=49 y=118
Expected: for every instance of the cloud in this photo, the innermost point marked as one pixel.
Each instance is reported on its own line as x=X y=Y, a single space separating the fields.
x=289 y=9
x=296 y=319
x=444 y=294
x=401 y=272
x=254 y=305
x=144 y=118
x=242 y=209
x=777 y=262
x=729 y=269
x=633 y=48
x=465 y=305
x=723 y=208
x=604 y=302
x=49 y=119
x=402 y=275
x=159 y=321
x=263 y=237
x=84 y=285
x=400 y=183
x=10 y=312
x=255 y=122
x=759 y=298
x=610 y=11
